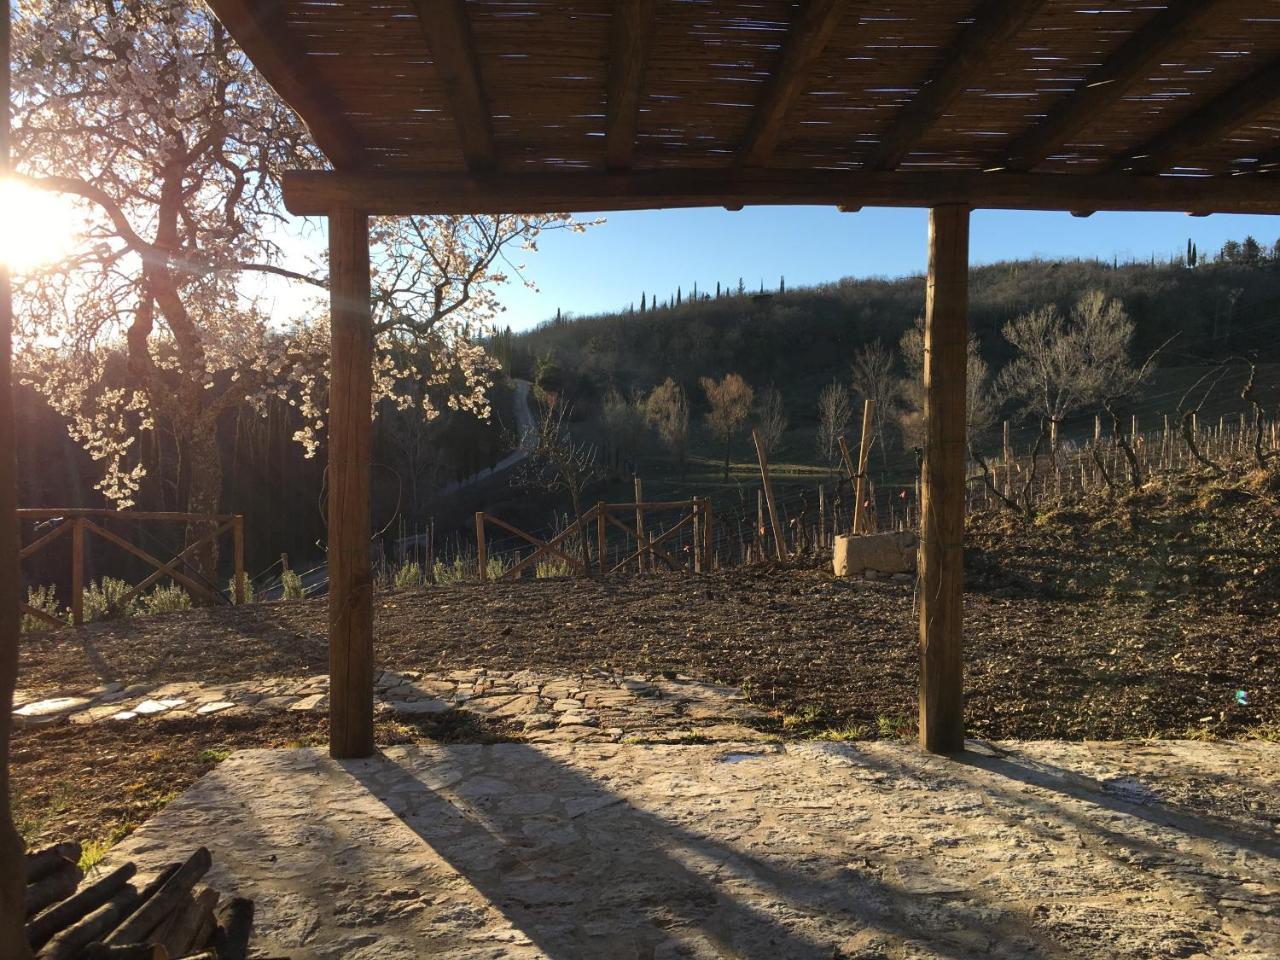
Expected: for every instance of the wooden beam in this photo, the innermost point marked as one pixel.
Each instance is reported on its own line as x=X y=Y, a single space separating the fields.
x=1131 y=62
x=1221 y=116
x=257 y=26
x=815 y=22
x=350 y=450
x=448 y=35
x=946 y=334
x=628 y=53
x=310 y=193
x=996 y=23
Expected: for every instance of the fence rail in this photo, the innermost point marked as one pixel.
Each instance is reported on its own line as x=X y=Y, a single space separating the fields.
x=80 y=522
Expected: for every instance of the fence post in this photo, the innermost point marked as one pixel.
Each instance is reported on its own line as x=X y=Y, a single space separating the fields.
x=601 y=537
x=482 y=560
x=237 y=531
x=708 y=538
x=77 y=571
x=864 y=450
x=639 y=526
x=779 y=543
x=697 y=535
x=760 y=524
x=822 y=517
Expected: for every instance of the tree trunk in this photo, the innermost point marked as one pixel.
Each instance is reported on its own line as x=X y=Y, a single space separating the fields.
x=204 y=491
x=728 y=440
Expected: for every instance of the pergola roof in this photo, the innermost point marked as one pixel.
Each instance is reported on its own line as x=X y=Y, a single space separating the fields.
x=677 y=92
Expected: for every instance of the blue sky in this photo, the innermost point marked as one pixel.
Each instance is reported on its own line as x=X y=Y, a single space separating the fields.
x=608 y=266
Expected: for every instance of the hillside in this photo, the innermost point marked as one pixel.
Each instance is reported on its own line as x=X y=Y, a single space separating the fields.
x=799 y=339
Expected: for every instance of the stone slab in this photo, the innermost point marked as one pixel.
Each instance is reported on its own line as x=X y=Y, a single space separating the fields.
x=751 y=851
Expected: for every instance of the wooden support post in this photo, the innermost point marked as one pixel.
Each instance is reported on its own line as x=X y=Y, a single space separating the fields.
x=482 y=559
x=350 y=449
x=639 y=525
x=237 y=547
x=13 y=938
x=77 y=570
x=942 y=505
x=601 y=538
x=860 y=484
x=779 y=543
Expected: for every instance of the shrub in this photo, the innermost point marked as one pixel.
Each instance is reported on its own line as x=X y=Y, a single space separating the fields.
x=166 y=599
x=408 y=576
x=459 y=570
x=292 y=585
x=44 y=599
x=104 y=600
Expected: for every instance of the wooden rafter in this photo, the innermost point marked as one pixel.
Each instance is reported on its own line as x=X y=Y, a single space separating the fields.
x=310 y=193
x=448 y=35
x=628 y=53
x=815 y=22
x=1222 y=115
x=994 y=26
x=256 y=27
x=1131 y=62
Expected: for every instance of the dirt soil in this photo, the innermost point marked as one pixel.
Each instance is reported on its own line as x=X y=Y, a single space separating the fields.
x=1155 y=616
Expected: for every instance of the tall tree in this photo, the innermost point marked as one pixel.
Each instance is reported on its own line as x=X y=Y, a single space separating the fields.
x=667 y=411
x=771 y=418
x=872 y=377
x=729 y=407
x=835 y=409
x=980 y=403
x=1063 y=363
x=146 y=113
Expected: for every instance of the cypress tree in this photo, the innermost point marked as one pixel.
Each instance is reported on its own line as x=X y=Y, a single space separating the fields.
x=642 y=301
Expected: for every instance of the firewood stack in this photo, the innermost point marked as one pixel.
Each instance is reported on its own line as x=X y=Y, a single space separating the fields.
x=110 y=918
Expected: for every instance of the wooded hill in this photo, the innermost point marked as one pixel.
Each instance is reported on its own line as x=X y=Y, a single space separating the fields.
x=801 y=338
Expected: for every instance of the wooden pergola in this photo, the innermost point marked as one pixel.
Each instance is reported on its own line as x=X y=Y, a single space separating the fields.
x=485 y=106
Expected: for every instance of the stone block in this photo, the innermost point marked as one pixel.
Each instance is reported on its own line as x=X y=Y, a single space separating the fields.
x=881 y=552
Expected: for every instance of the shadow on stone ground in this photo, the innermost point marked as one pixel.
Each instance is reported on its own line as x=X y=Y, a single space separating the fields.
x=751 y=851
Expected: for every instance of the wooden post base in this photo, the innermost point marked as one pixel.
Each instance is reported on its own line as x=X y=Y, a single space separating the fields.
x=942 y=497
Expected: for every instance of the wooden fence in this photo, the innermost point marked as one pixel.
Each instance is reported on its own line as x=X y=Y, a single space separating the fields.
x=79 y=522
x=641 y=548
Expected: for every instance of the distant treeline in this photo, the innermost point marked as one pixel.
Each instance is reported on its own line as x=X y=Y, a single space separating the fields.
x=789 y=336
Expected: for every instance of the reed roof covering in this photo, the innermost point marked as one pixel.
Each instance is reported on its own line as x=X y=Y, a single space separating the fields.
x=768 y=91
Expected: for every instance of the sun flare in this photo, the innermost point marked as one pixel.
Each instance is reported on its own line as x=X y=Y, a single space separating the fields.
x=36 y=227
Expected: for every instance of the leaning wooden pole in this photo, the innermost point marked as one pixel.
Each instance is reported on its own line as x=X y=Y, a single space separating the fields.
x=946 y=328
x=779 y=542
x=13 y=880
x=350 y=448
x=860 y=481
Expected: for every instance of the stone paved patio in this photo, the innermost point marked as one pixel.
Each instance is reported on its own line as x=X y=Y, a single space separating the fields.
x=596 y=706
x=762 y=851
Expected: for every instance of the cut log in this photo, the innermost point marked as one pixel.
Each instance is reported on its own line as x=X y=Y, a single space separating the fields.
x=235 y=924
x=178 y=934
x=165 y=899
x=41 y=863
x=125 y=951
x=56 y=885
x=78 y=906
x=97 y=925
x=72 y=941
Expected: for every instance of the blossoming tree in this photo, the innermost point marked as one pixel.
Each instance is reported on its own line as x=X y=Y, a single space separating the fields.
x=147 y=115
